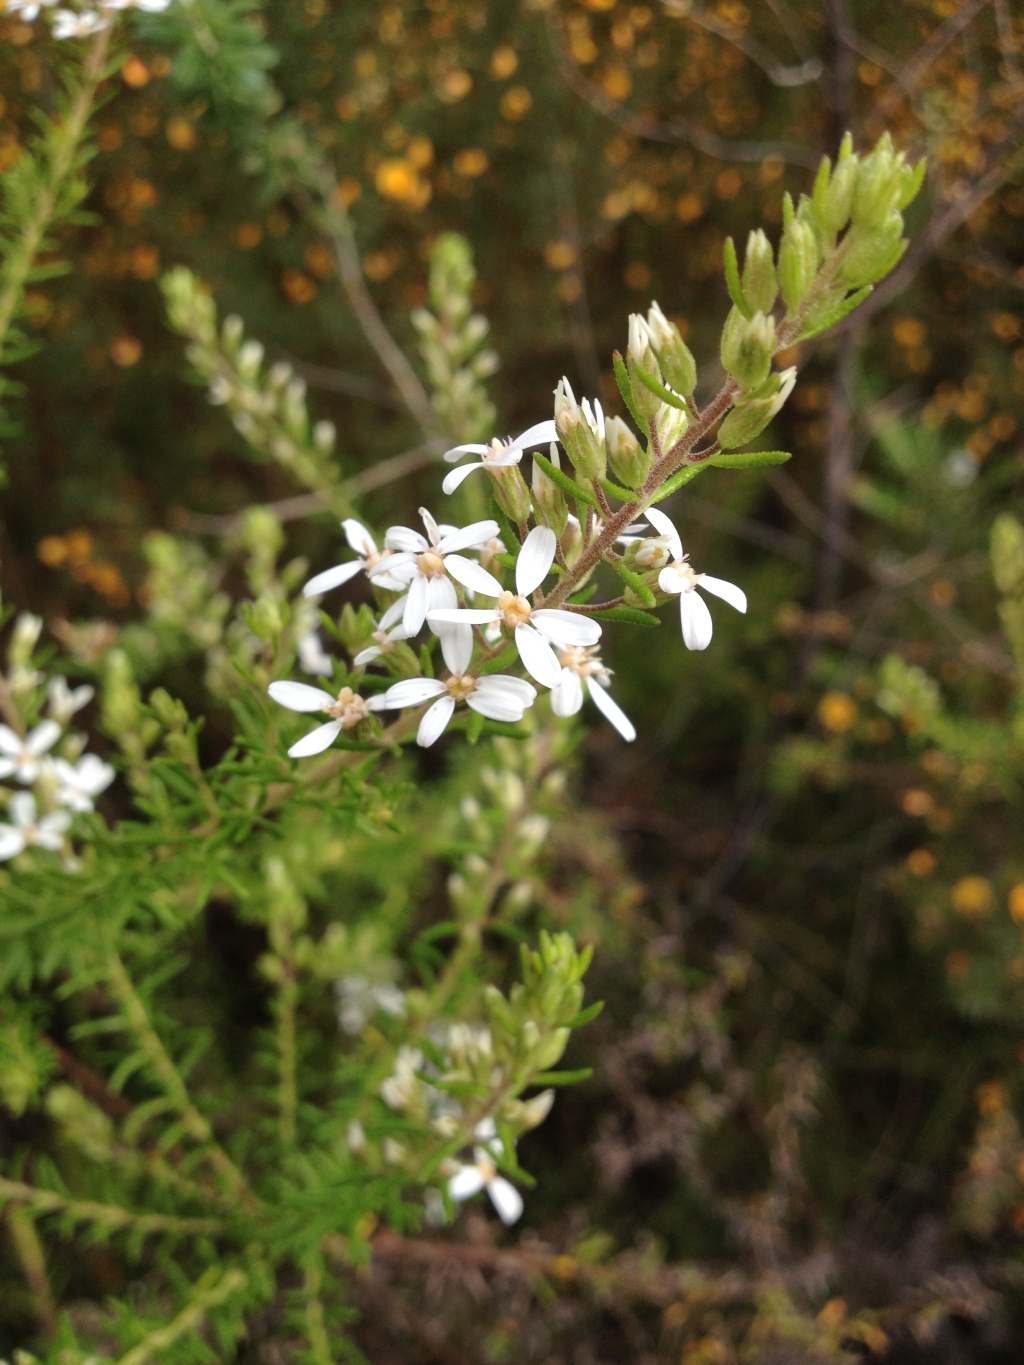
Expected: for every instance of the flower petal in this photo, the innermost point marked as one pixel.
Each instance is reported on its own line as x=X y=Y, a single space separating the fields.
x=457 y=648
x=696 y=620
x=505 y=458
x=22 y=808
x=9 y=741
x=568 y=627
x=434 y=721
x=611 y=710
x=412 y=692
x=393 y=614
x=506 y=684
x=466 y=1182
x=506 y=1199
x=537 y=435
x=478 y=533
x=535 y=559
x=416 y=605
x=358 y=537
x=332 y=578
x=456 y=453
x=496 y=705
x=402 y=538
x=468 y=616
x=665 y=527
x=472 y=575
x=721 y=587
x=299 y=696
x=12 y=842
x=43 y=737
x=457 y=476
x=567 y=697
x=433 y=535
x=367 y=656
x=671 y=580
x=538 y=657
x=316 y=741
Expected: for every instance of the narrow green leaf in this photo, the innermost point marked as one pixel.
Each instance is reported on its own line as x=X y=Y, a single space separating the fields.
x=587 y=1015
x=620 y=494
x=563 y=481
x=626 y=389
x=659 y=390
x=508 y=536
x=732 y=278
x=627 y=615
x=505 y=659
x=635 y=582
x=840 y=311
x=750 y=459
x=679 y=480
x=563 y=1077
x=474 y=727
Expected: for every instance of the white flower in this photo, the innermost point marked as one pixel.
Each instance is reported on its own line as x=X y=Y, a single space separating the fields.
x=427 y=564
x=359 y=999
x=28 y=9
x=63 y=702
x=385 y=634
x=402 y=1088
x=497 y=455
x=26 y=828
x=147 y=6
x=482 y=1174
x=69 y=24
x=346 y=711
x=678 y=577
x=313 y=658
x=533 y=630
x=499 y=697
x=21 y=758
x=369 y=559
x=81 y=782
x=583 y=672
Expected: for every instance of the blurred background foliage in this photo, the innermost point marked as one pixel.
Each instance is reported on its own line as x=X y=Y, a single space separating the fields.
x=810 y=931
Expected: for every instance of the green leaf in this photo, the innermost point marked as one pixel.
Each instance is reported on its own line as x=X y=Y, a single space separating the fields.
x=507 y=657
x=659 y=390
x=627 y=615
x=732 y=278
x=626 y=389
x=840 y=311
x=585 y=1016
x=679 y=480
x=563 y=1077
x=635 y=582
x=508 y=536
x=563 y=481
x=620 y=494
x=584 y=595
x=474 y=727
x=750 y=459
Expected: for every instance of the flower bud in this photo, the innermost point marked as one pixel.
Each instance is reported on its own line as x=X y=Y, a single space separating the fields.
x=748 y=419
x=747 y=347
x=24 y=639
x=798 y=262
x=872 y=253
x=640 y=358
x=838 y=200
x=674 y=356
x=879 y=182
x=670 y=424
x=581 y=432
x=323 y=437
x=760 y=282
x=510 y=492
x=231 y=332
x=536 y=1109
x=250 y=358
x=549 y=505
x=629 y=461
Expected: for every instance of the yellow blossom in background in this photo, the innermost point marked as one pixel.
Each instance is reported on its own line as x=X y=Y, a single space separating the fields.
x=921 y=863
x=1015 y=902
x=516 y=103
x=838 y=712
x=972 y=896
x=470 y=162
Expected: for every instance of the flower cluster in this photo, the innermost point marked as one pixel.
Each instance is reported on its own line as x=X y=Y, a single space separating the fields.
x=55 y=779
x=81 y=23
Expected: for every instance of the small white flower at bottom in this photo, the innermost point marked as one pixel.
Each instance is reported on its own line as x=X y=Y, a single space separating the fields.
x=22 y=758
x=82 y=782
x=63 y=701
x=583 y=672
x=346 y=711
x=69 y=24
x=679 y=578
x=482 y=1174
x=27 y=828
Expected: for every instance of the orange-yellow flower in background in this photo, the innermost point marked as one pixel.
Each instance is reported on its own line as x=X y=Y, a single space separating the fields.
x=921 y=863
x=838 y=712
x=470 y=162
x=1015 y=902
x=972 y=896
x=516 y=103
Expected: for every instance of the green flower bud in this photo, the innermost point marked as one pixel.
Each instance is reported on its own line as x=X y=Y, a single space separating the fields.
x=880 y=183
x=510 y=492
x=748 y=419
x=760 y=282
x=582 y=434
x=871 y=254
x=798 y=262
x=640 y=357
x=629 y=461
x=838 y=198
x=670 y=424
x=549 y=506
x=747 y=347
x=674 y=356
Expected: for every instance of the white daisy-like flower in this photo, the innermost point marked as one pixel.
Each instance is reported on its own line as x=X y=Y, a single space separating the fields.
x=583 y=672
x=498 y=454
x=27 y=828
x=313 y=658
x=67 y=23
x=429 y=564
x=533 y=630
x=359 y=999
x=22 y=758
x=482 y=1174
x=63 y=701
x=82 y=782
x=385 y=634
x=498 y=697
x=679 y=578
x=147 y=6
x=28 y=9
x=346 y=710
x=369 y=559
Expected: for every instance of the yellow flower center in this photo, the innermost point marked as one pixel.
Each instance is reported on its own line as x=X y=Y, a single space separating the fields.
x=350 y=708
x=431 y=564
x=515 y=611
x=686 y=573
x=652 y=554
x=460 y=686
x=583 y=662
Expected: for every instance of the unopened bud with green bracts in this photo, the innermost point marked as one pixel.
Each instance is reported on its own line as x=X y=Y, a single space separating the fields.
x=750 y=416
x=642 y=360
x=549 y=505
x=673 y=355
x=581 y=430
x=748 y=345
x=629 y=461
x=760 y=281
x=510 y=492
x=798 y=262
